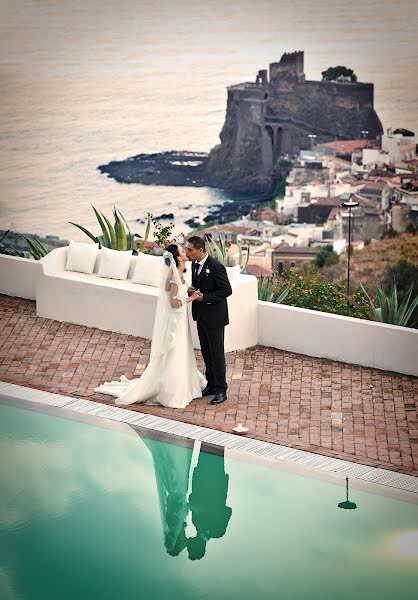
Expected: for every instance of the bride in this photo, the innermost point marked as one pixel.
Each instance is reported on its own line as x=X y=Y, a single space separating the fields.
x=171 y=377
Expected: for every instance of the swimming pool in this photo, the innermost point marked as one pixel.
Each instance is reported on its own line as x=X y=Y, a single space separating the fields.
x=95 y=509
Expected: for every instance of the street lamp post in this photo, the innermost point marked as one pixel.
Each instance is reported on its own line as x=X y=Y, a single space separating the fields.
x=350 y=204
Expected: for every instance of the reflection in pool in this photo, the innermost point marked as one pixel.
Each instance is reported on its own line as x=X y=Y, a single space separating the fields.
x=206 y=504
x=91 y=509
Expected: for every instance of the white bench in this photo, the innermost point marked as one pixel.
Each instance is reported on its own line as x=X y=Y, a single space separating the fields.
x=126 y=307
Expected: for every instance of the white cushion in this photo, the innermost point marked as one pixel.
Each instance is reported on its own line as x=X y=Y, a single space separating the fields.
x=81 y=257
x=114 y=264
x=148 y=269
x=233 y=272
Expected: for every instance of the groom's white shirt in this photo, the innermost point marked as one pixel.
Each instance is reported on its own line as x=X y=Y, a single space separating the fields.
x=201 y=263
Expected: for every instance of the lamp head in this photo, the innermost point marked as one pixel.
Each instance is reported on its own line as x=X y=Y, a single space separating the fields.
x=350 y=203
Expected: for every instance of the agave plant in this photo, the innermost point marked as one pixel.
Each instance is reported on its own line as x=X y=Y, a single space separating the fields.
x=219 y=249
x=388 y=309
x=265 y=289
x=117 y=236
x=266 y=292
x=9 y=249
x=36 y=249
x=241 y=258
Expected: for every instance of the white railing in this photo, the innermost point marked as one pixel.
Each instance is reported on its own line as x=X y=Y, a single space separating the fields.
x=313 y=333
x=18 y=276
x=353 y=341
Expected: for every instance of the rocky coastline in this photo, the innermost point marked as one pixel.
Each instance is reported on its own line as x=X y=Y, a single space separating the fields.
x=175 y=168
x=185 y=169
x=164 y=168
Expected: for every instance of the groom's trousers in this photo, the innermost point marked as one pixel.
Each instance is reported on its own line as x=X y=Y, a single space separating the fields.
x=212 y=347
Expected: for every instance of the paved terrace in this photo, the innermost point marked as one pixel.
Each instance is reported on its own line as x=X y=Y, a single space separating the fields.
x=340 y=410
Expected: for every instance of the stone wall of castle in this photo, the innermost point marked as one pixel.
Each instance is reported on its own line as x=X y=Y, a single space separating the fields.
x=268 y=119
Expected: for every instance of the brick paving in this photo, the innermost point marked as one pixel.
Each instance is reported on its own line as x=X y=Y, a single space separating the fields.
x=332 y=408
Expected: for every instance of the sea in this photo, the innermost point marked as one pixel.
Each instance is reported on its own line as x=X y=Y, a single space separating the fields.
x=85 y=82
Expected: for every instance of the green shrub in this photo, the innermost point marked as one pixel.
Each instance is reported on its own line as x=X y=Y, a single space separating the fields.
x=390 y=234
x=280 y=190
x=326 y=257
x=412 y=228
x=317 y=293
x=403 y=273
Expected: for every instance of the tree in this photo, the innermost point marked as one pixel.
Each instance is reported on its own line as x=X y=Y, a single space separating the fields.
x=335 y=73
x=284 y=164
x=390 y=234
x=403 y=273
x=280 y=190
x=412 y=228
x=326 y=257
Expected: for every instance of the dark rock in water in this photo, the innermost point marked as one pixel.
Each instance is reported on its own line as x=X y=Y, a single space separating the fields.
x=211 y=217
x=192 y=223
x=165 y=216
x=165 y=168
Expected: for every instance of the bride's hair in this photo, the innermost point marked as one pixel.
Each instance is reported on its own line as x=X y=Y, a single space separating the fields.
x=174 y=250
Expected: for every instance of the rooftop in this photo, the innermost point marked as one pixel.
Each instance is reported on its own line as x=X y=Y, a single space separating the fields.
x=286 y=249
x=345 y=146
x=354 y=413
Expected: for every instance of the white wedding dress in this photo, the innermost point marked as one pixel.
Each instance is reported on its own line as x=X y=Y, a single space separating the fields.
x=171 y=377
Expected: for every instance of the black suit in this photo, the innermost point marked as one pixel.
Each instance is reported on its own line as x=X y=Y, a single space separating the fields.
x=207 y=502
x=211 y=316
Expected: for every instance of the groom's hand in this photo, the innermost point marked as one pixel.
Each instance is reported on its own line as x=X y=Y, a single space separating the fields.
x=191 y=290
x=199 y=296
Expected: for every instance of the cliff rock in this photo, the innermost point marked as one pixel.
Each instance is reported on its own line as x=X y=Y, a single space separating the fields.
x=281 y=114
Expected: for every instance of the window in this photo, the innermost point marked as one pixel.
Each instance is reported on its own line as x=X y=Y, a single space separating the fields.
x=292 y=264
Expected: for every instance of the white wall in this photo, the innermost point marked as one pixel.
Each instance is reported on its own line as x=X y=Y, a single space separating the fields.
x=18 y=276
x=399 y=147
x=313 y=333
x=354 y=341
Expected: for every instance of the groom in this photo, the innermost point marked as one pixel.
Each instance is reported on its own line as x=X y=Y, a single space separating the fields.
x=210 y=311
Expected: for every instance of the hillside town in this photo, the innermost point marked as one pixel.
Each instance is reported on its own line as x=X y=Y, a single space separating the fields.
x=380 y=175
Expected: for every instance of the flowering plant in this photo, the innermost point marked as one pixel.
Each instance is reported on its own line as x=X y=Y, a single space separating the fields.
x=162 y=233
x=317 y=293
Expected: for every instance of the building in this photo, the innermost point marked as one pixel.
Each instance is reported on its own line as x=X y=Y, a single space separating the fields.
x=285 y=256
x=366 y=223
x=399 y=144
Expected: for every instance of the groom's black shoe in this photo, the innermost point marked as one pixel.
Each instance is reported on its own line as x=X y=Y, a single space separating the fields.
x=207 y=391
x=219 y=398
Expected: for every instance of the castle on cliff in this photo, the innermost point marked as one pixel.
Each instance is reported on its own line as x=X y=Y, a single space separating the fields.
x=280 y=114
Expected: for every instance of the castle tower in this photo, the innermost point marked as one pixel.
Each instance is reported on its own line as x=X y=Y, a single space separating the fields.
x=291 y=64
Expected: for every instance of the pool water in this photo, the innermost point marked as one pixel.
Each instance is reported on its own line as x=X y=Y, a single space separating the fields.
x=93 y=510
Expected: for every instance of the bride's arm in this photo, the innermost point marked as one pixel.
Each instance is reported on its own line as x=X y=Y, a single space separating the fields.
x=177 y=302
